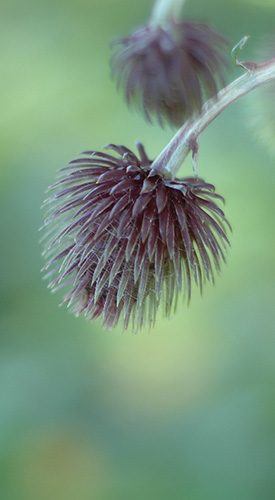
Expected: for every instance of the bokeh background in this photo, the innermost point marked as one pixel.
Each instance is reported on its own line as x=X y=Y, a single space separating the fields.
x=187 y=410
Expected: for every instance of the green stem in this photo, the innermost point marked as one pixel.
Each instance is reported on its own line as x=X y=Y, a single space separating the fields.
x=166 y=9
x=171 y=158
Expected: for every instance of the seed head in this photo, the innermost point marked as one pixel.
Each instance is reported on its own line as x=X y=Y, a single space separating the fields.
x=124 y=239
x=169 y=72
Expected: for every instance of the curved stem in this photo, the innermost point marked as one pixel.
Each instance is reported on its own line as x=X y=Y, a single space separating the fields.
x=171 y=158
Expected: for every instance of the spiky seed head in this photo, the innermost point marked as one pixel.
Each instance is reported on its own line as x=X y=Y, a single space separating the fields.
x=169 y=72
x=124 y=239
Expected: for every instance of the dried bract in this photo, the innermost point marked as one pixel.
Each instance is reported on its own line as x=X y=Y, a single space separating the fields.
x=125 y=240
x=169 y=73
x=261 y=105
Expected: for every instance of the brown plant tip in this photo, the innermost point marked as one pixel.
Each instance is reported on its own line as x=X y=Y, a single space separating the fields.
x=261 y=105
x=169 y=73
x=125 y=240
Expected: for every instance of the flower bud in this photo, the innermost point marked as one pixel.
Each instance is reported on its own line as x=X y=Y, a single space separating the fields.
x=168 y=72
x=125 y=240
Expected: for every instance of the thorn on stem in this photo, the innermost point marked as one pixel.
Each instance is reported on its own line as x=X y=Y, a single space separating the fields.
x=193 y=145
x=250 y=66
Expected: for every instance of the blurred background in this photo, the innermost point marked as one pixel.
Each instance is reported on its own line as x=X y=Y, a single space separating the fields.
x=187 y=410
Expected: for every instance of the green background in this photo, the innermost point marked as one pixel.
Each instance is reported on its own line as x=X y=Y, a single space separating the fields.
x=187 y=410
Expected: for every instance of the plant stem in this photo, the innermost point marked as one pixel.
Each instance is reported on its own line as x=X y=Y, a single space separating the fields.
x=171 y=158
x=165 y=9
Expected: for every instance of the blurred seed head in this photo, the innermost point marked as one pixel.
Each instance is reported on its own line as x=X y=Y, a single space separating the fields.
x=169 y=72
x=124 y=240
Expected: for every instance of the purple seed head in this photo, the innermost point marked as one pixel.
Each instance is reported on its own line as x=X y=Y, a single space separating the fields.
x=125 y=240
x=169 y=73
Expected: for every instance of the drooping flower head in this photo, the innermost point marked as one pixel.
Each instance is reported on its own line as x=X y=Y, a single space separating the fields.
x=124 y=239
x=168 y=71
